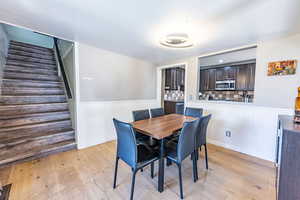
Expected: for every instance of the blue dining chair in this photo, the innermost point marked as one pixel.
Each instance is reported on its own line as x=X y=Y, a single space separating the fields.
x=179 y=109
x=140 y=114
x=185 y=147
x=135 y=155
x=193 y=112
x=201 y=136
x=157 y=112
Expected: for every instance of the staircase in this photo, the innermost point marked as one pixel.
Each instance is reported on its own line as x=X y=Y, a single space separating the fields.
x=34 y=114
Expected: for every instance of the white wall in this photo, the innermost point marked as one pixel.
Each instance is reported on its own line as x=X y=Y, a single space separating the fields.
x=3 y=51
x=277 y=91
x=27 y=36
x=107 y=76
x=253 y=126
x=97 y=106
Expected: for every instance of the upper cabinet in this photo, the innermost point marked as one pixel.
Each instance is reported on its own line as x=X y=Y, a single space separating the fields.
x=243 y=74
x=174 y=78
x=225 y=73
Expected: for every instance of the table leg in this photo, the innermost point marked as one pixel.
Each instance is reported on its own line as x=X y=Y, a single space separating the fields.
x=161 y=167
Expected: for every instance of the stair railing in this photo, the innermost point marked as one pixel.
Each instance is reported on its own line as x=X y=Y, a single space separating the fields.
x=62 y=69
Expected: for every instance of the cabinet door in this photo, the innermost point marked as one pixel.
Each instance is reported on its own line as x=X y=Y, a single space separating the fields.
x=220 y=74
x=241 y=77
x=229 y=73
x=251 y=69
x=204 y=80
x=174 y=79
x=211 y=79
x=168 y=78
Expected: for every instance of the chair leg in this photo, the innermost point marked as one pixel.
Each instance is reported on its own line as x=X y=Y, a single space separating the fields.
x=195 y=170
x=169 y=162
x=152 y=170
x=180 y=181
x=206 y=160
x=132 y=184
x=116 y=171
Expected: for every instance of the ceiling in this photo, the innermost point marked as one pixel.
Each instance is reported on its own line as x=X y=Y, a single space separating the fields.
x=134 y=27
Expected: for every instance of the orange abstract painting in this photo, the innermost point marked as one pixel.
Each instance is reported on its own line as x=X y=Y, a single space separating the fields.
x=287 y=67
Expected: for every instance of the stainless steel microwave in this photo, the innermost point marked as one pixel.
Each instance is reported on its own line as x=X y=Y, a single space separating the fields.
x=225 y=85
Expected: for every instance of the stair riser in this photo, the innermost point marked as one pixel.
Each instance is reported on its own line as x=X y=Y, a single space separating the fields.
x=31 y=64
x=28 y=83
x=30 y=144
x=5 y=123
x=32 y=156
x=17 y=69
x=34 y=129
x=27 y=76
x=29 y=54
x=30 y=59
x=20 y=44
x=32 y=91
x=18 y=100
x=30 y=50
x=30 y=109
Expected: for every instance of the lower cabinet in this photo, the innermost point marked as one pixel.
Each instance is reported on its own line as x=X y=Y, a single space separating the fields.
x=170 y=106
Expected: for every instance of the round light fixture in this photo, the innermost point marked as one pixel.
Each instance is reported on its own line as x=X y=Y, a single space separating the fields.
x=176 y=40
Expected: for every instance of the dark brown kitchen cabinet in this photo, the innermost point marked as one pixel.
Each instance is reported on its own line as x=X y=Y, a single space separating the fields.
x=174 y=78
x=170 y=106
x=251 y=74
x=242 y=79
x=225 y=73
x=245 y=76
x=207 y=79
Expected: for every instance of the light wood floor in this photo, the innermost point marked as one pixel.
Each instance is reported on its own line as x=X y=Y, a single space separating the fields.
x=88 y=174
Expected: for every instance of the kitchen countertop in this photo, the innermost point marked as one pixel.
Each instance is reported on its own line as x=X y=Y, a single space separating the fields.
x=225 y=102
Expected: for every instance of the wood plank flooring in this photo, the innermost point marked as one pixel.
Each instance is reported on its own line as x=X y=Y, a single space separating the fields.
x=88 y=174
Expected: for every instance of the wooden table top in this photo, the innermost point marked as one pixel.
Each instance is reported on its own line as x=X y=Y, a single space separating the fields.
x=161 y=127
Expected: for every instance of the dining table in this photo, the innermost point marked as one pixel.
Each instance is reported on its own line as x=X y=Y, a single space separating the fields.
x=161 y=128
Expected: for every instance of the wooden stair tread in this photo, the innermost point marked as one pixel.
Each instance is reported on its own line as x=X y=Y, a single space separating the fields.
x=13 y=42
x=15 y=110
x=29 y=76
x=30 y=54
x=30 y=59
x=39 y=151
x=19 y=100
x=30 y=50
x=27 y=119
x=30 y=83
x=21 y=139
x=31 y=64
x=32 y=91
x=12 y=68
x=35 y=128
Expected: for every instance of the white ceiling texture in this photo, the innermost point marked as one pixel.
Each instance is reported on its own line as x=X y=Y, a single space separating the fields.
x=134 y=27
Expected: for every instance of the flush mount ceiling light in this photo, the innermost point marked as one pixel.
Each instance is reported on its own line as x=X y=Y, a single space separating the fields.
x=177 y=40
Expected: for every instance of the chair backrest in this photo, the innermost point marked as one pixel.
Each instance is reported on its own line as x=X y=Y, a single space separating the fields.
x=186 y=142
x=126 y=142
x=202 y=130
x=193 y=112
x=140 y=115
x=179 y=109
x=157 y=112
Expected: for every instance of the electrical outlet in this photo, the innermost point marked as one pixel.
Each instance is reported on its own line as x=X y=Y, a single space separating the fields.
x=228 y=133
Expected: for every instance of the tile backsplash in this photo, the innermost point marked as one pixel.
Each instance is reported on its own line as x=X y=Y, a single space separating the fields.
x=238 y=96
x=174 y=95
